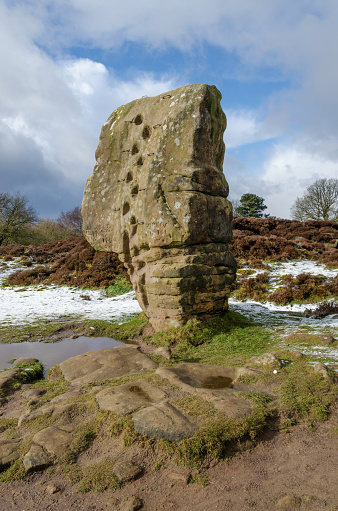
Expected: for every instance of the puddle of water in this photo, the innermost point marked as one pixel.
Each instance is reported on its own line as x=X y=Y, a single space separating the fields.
x=52 y=353
x=209 y=382
x=217 y=382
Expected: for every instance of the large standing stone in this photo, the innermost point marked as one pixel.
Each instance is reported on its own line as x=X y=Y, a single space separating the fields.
x=158 y=197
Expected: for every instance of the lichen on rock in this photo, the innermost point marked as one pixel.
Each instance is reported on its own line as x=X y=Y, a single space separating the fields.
x=158 y=197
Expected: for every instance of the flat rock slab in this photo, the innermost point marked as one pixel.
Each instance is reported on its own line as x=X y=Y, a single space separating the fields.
x=33 y=393
x=163 y=420
x=191 y=377
x=106 y=364
x=130 y=397
x=54 y=440
x=213 y=383
x=8 y=452
x=48 y=410
x=36 y=459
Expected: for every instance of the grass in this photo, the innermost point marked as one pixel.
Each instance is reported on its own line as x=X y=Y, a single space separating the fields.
x=57 y=330
x=28 y=332
x=213 y=440
x=120 y=287
x=16 y=472
x=216 y=340
x=99 y=477
x=82 y=440
x=115 y=329
x=304 y=395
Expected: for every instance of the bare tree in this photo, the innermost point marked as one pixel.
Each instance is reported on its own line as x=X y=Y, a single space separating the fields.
x=320 y=202
x=16 y=216
x=71 y=221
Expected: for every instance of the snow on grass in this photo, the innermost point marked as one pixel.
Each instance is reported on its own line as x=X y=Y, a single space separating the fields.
x=22 y=304
x=271 y=314
x=304 y=266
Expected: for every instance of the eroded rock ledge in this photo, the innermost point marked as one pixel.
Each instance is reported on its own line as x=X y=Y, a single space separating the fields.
x=158 y=197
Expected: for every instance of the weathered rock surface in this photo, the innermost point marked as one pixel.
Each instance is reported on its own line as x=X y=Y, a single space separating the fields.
x=8 y=452
x=126 y=471
x=55 y=440
x=47 y=410
x=322 y=370
x=132 y=503
x=158 y=197
x=163 y=420
x=33 y=393
x=128 y=398
x=36 y=459
x=106 y=364
x=8 y=377
x=213 y=383
x=164 y=352
x=266 y=360
x=22 y=360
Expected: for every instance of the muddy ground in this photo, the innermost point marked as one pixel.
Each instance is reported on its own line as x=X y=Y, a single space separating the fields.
x=296 y=470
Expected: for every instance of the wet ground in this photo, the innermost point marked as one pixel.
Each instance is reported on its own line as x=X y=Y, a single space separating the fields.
x=52 y=353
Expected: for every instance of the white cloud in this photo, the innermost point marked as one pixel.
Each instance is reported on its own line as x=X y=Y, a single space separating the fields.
x=243 y=127
x=289 y=171
x=54 y=105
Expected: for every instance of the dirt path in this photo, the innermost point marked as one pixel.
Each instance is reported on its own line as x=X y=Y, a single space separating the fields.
x=301 y=465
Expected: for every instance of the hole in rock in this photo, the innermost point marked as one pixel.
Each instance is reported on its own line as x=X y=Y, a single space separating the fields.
x=203 y=381
x=134 y=190
x=133 y=220
x=133 y=230
x=139 y=392
x=139 y=161
x=138 y=119
x=129 y=177
x=135 y=251
x=125 y=243
x=126 y=208
x=146 y=132
x=139 y=265
x=135 y=149
x=216 y=382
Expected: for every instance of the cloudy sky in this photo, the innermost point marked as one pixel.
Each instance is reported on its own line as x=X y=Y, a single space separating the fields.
x=67 y=64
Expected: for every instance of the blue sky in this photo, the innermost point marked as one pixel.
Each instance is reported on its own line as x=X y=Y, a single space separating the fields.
x=66 y=65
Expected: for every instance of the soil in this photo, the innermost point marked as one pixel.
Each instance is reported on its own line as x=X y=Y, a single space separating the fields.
x=295 y=470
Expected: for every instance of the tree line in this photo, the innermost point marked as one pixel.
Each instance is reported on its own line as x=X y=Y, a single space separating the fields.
x=319 y=202
x=19 y=222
